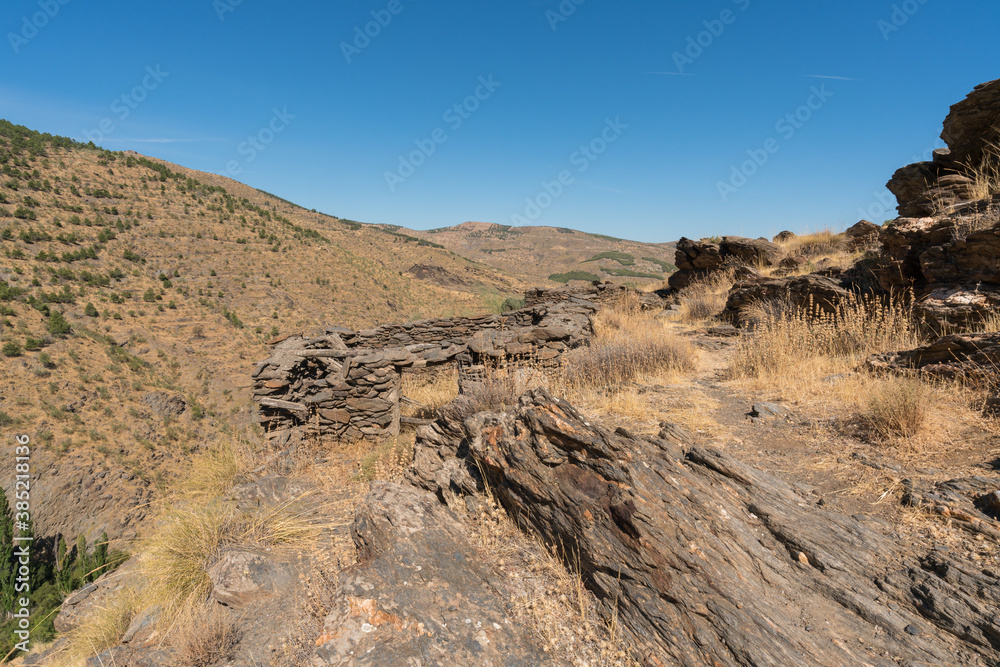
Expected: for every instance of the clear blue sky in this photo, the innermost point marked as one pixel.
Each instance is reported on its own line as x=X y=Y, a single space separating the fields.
x=226 y=66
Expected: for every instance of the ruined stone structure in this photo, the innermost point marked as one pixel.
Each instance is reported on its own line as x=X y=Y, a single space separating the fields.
x=347 y=383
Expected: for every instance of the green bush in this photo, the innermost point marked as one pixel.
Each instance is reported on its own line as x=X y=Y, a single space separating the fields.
x=11 y=349
x=91 y=310
x=573 y=275
x=57 y=325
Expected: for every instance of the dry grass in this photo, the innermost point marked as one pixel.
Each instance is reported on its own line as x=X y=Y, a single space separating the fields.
x=825 y=242
x=176 y=557
x=205 y=637
x=220 y=468
x=100 y=630
x=986 y=175
x=897 y=407
x=431 y=389
x=704 y=299
x=791 y=343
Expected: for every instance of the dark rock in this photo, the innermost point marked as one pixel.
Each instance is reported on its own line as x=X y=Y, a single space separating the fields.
x=863 y=234
x=241 y=577
x=684 y=550
x=783 y=237
x=811 y=291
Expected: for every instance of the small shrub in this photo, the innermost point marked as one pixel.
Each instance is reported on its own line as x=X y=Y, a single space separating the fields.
x=91 y=310
x=897 y=407
x=11 y=349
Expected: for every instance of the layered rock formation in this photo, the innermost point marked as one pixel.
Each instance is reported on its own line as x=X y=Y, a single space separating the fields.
x=696 y=260
x=944 y=244
x=702 y=559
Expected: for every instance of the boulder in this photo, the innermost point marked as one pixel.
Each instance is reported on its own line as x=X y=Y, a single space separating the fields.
x=863 y=234
x=420 y=594
x=739 y=250
x=784 y=237
x=812 y=290
x=240 y=577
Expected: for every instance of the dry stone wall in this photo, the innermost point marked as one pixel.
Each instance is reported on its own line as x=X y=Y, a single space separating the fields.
x=347 y=383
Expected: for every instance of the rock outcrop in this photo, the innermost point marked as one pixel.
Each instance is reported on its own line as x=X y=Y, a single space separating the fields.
x=970 y=356
x=696 y=260
x=944 y=244
x=420 y=594
x=814 y=292
x=702 y=559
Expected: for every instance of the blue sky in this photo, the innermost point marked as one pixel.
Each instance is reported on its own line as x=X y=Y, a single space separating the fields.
x=572 y=115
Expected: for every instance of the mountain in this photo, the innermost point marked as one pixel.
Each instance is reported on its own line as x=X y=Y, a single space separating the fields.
x=135 y=296
x=547 y=255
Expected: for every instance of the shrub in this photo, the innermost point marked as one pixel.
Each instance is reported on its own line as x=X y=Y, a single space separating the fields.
x=896 y=407
x=91 y=310
x=57 y=324
x=629 y=354
x=11 y=349
x=33 y=344
x=45 y=360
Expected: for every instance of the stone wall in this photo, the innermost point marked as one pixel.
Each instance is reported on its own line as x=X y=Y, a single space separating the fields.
x=346 y=383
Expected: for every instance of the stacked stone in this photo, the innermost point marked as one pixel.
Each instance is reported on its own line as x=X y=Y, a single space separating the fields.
x=346 y=385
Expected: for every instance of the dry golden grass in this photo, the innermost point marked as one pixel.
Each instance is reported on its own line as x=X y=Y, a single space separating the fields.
x=432 y=389
x=824 y=242
x=986 y=174
x=100 y=630
x=897 y=406
x=790 y=344
x=176 y=556
x=205 y=637
x=216 y=471
x=705 y=299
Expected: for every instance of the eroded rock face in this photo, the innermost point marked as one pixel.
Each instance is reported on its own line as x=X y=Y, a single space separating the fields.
x=812 y=291
x=420 y=594
x=958 y=355
x=698 y=259
x=704 y=560
x=945 y=243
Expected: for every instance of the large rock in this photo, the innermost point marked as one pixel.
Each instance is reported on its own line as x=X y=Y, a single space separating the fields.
x=943 y=184
x=420 y=594
x=957 y=355
x=700 y=559
x=698 y=259
x=812 y=291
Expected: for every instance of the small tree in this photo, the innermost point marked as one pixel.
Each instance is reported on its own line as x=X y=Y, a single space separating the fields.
x=11 y=349
x=58 y=326
x=91 y=310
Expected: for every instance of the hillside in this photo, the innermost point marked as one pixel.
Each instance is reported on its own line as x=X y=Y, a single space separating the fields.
x=135 y=294
x=546 y=255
